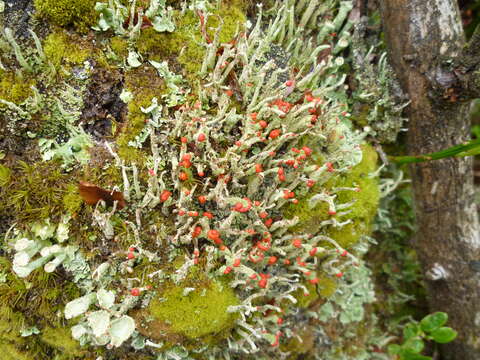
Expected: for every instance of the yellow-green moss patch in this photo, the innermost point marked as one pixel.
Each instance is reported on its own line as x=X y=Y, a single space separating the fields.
x=145 y=84
x=365 y=201
x=195 y=310
x=202 y=312
x=361 y=213
x=4 y=175
x=13 y=88
x=61 y=340
x=36 y=191
x=61 y=48
x=80 y=13
x=119 y=46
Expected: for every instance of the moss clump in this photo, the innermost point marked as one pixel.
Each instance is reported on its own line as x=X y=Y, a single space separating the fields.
x=324 y=289
x=119 y=46
x=61 y=48
x=40 y=298
x=80 y=13
x=195 y=315
x=184 y=44
x=13 y=88
x=8 y=351
x=12 y=345
x=35 y=191
x=366 y=201
x=299 y=348
x=199 y=315
x=361 y=213
x=72 y=202
x=61 y=340
x=4 y=175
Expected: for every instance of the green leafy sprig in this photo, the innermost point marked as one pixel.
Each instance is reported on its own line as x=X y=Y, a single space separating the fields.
x=431 y=327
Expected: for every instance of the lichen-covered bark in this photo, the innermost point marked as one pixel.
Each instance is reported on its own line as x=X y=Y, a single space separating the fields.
x=423 y=36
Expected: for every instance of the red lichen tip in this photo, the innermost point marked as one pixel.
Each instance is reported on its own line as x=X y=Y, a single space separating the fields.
x=135 y=291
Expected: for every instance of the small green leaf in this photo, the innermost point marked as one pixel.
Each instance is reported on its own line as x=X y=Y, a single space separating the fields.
x=443 y=335
x=411 y=330
x=414 y=344
x=433 y=321
x=394 y=349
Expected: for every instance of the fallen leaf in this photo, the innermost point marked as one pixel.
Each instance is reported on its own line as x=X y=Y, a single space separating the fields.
x=92 y=194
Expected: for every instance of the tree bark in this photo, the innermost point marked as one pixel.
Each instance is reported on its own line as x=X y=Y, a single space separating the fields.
x=425 y=39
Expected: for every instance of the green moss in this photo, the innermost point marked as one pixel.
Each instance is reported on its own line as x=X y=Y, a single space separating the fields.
x=79 y=13
x=361 y=213
x=365 y=201
x=325 y=288
x=195 y=315
x=4 y=175
x=201 y=315
x=119 y=46
x=72 y=202
x=8 y=351
x=13 y=88
x=61 y=48
x=36 y=191
x=184 y=44
x=39 y=298
x=303 y=346
x=61 y=340
x=12 y=345
x=10 y=324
